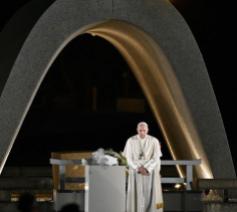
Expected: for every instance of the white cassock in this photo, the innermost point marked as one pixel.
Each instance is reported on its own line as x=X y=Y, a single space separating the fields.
x=144 y=193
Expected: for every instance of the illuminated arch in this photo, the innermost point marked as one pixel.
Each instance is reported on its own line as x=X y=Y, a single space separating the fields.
x=161 y=51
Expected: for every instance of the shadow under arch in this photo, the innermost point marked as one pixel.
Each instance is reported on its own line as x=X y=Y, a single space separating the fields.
x=65 y=20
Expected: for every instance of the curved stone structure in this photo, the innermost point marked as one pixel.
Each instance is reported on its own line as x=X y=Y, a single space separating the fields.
x=173 y=74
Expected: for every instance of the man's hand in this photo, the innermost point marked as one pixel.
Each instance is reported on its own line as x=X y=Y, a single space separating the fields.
x=143 y=171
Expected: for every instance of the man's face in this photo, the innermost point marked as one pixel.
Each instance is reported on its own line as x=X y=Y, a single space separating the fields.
x=142 y=131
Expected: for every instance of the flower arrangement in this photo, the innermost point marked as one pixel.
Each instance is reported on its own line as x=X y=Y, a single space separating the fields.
x=121 y=159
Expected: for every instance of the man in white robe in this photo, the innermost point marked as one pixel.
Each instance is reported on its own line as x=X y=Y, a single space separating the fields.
x=142 y=151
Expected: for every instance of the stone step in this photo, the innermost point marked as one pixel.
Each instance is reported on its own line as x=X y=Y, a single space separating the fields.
x=173 y=202
x=12 y=206
x=27 y=171
x=182 y=201
x=14 y=183
x=217 y=183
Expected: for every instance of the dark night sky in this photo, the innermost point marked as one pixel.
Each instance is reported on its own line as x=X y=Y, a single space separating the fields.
x=210 y=23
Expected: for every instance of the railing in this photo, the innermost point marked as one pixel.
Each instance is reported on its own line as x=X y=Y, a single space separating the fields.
x=172 y=180
x=189 y=171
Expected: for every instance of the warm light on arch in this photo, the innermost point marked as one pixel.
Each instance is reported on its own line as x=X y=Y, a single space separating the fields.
x=158 y=81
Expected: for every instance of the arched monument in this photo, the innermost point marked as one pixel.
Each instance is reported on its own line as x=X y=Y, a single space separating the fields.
x=158 y=46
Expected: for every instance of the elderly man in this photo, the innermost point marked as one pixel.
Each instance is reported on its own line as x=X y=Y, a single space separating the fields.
x=143 y=153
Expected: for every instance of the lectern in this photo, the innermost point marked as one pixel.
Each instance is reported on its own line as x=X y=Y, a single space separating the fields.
x=94 y=188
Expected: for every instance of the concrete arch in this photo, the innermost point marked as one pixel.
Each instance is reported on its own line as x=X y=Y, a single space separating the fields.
x=189 y=115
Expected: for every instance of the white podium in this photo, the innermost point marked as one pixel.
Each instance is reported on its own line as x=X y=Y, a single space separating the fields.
x=101 y=189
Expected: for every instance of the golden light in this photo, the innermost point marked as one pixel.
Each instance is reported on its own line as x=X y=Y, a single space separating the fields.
x=161 y=87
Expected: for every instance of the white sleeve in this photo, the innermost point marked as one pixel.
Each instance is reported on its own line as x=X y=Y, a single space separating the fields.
x=155 y=160
x=128 y=154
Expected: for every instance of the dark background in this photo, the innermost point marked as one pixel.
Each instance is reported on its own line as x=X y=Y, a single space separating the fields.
x=54 y=120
